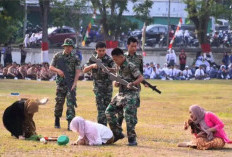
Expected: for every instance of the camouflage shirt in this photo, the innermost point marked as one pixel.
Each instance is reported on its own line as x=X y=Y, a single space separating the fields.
x=72 y=63
x=136 y=59
x=129 y=72
x=98 y=74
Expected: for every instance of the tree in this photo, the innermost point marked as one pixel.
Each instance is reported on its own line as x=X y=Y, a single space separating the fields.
x=199 y=13
x=68 y=13
x=142 y=11
x=111 y=17
x=44 y=6
x=11 y=16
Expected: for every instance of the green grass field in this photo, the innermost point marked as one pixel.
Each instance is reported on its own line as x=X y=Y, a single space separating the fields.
x=160 y=119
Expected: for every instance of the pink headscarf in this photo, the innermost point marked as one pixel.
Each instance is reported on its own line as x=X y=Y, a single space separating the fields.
x=85 y=128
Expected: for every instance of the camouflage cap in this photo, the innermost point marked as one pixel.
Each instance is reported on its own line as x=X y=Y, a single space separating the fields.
x=68 y=42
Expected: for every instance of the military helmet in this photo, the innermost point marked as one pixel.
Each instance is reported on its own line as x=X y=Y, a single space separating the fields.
x=68 y=42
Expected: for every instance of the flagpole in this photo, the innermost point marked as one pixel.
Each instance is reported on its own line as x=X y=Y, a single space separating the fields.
x=89 y=28
x=169 y=5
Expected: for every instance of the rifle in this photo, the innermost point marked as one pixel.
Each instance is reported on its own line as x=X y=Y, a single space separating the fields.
x=151 y=86
x=62 y=66
x=113 y=77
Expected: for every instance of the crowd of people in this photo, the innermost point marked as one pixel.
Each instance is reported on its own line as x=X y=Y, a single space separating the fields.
x=203 y=68
x=27 y=71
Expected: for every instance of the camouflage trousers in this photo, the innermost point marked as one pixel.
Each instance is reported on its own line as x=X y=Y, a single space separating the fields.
x=120 y=110
x=128 y=103
x=103 y=95
x=61 y=93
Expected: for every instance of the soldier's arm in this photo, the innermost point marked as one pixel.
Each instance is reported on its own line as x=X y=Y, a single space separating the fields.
x=77 y=73
x=137 y=74
x=56 y=70
x=53 y=66
x=111 y=67
x=89 y=67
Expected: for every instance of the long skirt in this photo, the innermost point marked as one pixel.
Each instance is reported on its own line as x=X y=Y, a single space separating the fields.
x=204 y=144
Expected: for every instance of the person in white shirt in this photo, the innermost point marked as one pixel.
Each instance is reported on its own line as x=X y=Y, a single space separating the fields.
x=158 y=69
x=187 y=73
x=199 y=73
x=164 y=72
x=26 y=41
x=173 y=73
x=91 y=133
x=186 y=37
x=172 y=58
x=167 y=57
x=32 y=40
x=154 y=74
x=147 y=71
x=198 y=61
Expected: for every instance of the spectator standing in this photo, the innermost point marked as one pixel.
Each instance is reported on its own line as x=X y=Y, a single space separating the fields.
x=182 y=59
x=8 y=55
x=26 y=41
x=23 y=53
x=186 y=37
x=172 y=58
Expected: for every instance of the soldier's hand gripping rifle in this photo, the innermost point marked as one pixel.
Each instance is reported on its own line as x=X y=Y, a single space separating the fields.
x=151 y=86
x=67 y=79
x=113 y=77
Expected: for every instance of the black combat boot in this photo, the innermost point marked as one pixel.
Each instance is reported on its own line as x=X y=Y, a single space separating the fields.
x=57 y=122
x=132 y=141
x=118 y=137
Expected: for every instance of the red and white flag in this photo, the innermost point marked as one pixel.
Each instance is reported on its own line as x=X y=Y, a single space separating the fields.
x=110 y=45
x=177 y=30
x=44 y=54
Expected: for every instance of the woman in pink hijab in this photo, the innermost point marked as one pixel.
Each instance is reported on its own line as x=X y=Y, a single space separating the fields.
x=207 y=128
x=91 y=133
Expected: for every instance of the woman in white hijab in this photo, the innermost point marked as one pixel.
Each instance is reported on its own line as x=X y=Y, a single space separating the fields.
x=91 y=133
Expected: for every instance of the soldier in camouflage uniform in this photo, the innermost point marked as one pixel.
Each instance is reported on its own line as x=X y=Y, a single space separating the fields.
x=102 y=84
x=126 y=98
x=137 y=60
x=73 y=67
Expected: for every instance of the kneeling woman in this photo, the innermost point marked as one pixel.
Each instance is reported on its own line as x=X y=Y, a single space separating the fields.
x=18 y=118
x=91 y=133
x=207 y=128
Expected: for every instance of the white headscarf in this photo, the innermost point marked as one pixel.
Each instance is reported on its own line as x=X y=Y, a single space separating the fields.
x=85 y=129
